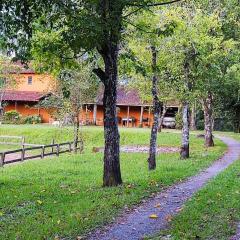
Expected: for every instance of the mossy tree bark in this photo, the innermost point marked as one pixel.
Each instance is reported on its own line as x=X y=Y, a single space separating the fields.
x=208 y=119
x=156 y=113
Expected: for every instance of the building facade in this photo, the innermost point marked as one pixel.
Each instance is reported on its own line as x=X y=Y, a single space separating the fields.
x=31 y=88
x=27 y=90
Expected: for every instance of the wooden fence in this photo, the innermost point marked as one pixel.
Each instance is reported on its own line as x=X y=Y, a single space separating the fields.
x=53 y=149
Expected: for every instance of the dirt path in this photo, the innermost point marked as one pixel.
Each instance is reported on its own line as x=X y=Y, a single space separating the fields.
x=237 y=236
x=137 y=224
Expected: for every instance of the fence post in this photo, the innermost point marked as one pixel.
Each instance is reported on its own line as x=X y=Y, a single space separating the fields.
x=58 y=149
x=52 y=144
x=2 y=159
x=23 y=153
x=23 y=141
x=43 y=151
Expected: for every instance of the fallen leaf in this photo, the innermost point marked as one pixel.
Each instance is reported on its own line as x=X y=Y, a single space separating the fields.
x=39 y=202
x=58 y=222
x=80 y=238
x=157 y=205
x=153 y=216
x=169 y=218
x=179 y=210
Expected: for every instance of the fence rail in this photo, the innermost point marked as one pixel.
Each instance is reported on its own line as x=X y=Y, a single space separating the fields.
x=55 y=149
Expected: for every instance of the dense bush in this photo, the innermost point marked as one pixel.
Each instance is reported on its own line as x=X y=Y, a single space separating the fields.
x=14 y=117
x=32 y=119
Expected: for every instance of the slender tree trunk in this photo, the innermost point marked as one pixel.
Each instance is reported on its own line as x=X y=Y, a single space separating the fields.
x=156 y=112
x=164 y=111
x=76 y=132
x=185 y=131
x=193 y=117
x=208 y=120
x=185 y=152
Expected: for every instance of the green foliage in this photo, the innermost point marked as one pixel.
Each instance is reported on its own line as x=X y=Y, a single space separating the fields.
x=12 y=115
x=179 y=121
x=34 y=119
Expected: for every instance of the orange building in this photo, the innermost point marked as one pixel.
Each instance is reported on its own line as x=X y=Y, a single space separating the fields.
x=31 y=87
x=28 y=89
x=131 y=111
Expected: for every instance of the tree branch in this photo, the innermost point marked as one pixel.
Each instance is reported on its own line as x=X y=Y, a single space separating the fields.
x=154 y=4
x=101 y=74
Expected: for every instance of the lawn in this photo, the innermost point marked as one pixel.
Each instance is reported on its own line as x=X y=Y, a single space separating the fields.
x=43 y=199
x=214 y=212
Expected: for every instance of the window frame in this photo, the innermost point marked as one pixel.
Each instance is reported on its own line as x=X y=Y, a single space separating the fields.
x=30 y=80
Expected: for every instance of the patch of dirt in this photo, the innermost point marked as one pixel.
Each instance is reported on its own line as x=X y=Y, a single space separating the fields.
x=155 y=214
x=142 y=149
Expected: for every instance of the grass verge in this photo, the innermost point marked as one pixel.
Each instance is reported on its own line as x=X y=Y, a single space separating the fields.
x=63 y=196
x=213 y=213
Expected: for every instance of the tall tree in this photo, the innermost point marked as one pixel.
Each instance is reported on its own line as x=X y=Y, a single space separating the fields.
x=85 y=25
x=149 y=32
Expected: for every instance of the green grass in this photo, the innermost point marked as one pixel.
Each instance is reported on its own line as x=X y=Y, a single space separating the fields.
x=214 y=211
x=63 y=196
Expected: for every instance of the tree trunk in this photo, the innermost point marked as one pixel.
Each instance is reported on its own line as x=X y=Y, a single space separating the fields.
x=161 y=118
x=208 y=120
x=193 y=117
x=76 y=134
x=112 y=172
x=108 y=48
x=185 y=131
x=156 y=112
x=185 y=115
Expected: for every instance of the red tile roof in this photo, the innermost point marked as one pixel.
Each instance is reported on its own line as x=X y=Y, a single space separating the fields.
x=127 y=97
x=22 y=96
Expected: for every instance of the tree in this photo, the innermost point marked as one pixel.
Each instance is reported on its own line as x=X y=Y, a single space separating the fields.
x=6 y=79
x=76 y=85
x=85 y=25
x=77 y=88
x=148 y=31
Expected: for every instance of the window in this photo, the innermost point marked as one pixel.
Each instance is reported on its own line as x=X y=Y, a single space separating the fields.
x=30 y=80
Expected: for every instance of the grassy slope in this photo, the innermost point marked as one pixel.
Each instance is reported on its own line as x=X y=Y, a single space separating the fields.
x=213 y=212
x=63 y=196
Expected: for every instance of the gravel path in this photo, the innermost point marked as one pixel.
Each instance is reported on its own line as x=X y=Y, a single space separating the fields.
x=142 y=149
x=137 y=223
x=237 y=236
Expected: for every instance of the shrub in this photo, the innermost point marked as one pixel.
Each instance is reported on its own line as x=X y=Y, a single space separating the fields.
x=32 y=119
x=12 y=115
